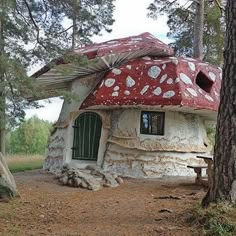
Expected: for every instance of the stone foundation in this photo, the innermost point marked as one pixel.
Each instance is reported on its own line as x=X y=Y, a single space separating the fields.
x=140 y=164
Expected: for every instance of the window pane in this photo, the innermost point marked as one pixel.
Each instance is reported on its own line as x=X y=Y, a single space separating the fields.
x=145 y=123
x=152 y=123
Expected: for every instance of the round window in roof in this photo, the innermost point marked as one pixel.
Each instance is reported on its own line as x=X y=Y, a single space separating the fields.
x=204 y=82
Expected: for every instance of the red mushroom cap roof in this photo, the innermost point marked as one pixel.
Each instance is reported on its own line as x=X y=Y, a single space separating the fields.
x=102 y=56
x=166 y=81
x=146 y=41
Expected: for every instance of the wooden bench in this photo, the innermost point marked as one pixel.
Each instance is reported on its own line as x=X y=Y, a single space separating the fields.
x=198 y=170
x=209 y=161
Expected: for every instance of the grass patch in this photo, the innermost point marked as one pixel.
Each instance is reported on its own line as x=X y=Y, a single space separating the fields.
x=217 y=220
x=19 y=163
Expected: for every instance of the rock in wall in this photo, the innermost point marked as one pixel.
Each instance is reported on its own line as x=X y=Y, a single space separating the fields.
x=54 y=158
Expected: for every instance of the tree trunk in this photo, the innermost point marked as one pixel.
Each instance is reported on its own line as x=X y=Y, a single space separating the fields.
x=7 y=182
x=198 y=30
x=2 y=92
x=74 y=32
x=2 y=141
x=224 y=176
x=75 y=36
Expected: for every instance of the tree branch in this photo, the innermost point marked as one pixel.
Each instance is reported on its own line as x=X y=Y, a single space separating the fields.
x=34 y=23
x=65 y=30
x=220 y=7
x=19 y=13
x=46 y=10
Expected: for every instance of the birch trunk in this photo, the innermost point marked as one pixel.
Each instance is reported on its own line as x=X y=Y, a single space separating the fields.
x=224 y=176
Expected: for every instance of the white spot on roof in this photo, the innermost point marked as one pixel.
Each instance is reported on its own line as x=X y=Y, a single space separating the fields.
x=116 y=88
x=185 y=78
x=129 y=82
x=192 y=92
x=177 y=80
x=200 y=91
x=217 y=94
x=212 y=76
x=109 y=82
x=186 y=95
x=170 y=81
x=163 y=78
x=209 y=98
x=203 y=64
x=116 y=71
x=113 y=41
x=163 y=66
x=175 y=61
x=157 y=91
x=191 y=65
x=149 y=62
x=137 y=39
x=126 y=92
x=189 y=59
x=115 y=94
x=154 y=71
x=129 y=67
x=101 y=84
x=144 y=90
x=169 y=94
x=146 y=58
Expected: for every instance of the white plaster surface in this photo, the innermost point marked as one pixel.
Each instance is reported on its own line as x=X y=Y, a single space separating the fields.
x=133 y=154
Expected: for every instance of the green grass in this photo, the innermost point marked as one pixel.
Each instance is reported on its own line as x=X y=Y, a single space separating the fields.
x=19 y=163
x=217 y=220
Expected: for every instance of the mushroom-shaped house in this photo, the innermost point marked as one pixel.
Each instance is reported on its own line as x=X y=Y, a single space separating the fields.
x=141 y=112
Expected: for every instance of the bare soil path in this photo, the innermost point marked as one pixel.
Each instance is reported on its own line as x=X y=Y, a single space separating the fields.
x=47 y=208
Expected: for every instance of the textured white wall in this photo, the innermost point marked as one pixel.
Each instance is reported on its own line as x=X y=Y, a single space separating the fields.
x=139 y=155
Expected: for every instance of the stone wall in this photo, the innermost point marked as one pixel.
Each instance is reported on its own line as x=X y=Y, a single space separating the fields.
x=133 y=154
x=56 y=149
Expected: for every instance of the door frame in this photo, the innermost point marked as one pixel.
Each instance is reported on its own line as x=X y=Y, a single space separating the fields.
x=105 y=117
x=89 y=137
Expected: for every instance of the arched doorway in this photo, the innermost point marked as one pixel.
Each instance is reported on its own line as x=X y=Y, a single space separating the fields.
x=87 y=133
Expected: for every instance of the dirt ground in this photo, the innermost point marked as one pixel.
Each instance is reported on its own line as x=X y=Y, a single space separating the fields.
x=134 y=208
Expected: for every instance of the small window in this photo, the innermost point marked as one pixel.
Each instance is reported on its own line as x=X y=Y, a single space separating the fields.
x=152 y=123
x=204 y=82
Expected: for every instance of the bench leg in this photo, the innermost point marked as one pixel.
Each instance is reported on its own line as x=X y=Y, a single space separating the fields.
x=198 y=179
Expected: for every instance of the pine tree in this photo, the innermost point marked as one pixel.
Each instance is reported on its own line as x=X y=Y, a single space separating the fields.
x=33 y=31
x=224 y=175
x=183 y=21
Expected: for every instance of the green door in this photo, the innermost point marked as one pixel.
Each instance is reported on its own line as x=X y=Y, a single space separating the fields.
x=87 y=133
